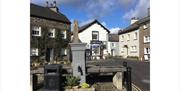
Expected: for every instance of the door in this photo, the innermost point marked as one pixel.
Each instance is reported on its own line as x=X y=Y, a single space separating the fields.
x=49 y=54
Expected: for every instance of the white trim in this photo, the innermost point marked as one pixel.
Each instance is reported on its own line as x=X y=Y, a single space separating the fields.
x=36 y=31
x=52 y=31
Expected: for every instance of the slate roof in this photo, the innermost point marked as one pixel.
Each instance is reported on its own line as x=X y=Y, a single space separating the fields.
x=135 y=25
x=46 y=13
x=82 y=28
x=113 y=37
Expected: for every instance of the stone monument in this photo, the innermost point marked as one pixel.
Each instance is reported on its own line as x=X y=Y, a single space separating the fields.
x=78 y=55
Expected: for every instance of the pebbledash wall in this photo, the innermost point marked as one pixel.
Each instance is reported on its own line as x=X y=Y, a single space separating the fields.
x=129 y=46
x=139 y=47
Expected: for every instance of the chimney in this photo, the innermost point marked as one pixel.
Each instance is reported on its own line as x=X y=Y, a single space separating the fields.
x=133 y=20
x=54 y=7
x=47 y=4
x=148 y=11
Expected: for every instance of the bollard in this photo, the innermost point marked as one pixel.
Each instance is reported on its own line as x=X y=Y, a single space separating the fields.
x=129 y=81
x=124 y=74
x=34 y=81
x=125 y=64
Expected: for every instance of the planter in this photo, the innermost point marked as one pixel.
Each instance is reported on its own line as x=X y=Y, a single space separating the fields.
x=81 y=89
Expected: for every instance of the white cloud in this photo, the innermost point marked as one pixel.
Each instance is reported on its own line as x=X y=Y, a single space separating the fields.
x=140 y=10
x=115 y=30
x=94 y=8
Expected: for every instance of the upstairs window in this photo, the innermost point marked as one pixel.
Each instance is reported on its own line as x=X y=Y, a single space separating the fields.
x=133 y=48
x=145 y=26
x=113 y=45
x=146 y=50
x=34 y=52
x=135 y=35
x=95 y=35
x=64 y=34
x=128 y=37
x=122 y=38
x=146 y=39
x=36 y=31
x=51 y=33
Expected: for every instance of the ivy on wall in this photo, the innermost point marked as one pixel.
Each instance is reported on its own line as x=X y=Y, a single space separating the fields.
x=44 y=41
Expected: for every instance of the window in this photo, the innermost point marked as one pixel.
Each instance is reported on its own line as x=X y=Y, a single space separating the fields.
x=51 y=33
x=146 y=39
x=36 y=31
x=64 y=34
x=128 y=37
x=146 y=50
x=135 y=35
x=95 y=35
x=122 y=50
x=145 y=26
x=133 y=48
x=122 y=38
x=34 y=52
x=63 y=51
x=113 y=45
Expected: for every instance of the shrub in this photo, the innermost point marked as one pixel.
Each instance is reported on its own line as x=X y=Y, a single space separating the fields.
x=72 y=81
x=133 y=57
x=85 y=85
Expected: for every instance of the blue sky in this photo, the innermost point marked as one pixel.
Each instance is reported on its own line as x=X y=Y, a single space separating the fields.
x=113 y=14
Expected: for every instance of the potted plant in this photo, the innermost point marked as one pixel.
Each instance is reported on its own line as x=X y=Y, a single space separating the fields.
x=72 y=84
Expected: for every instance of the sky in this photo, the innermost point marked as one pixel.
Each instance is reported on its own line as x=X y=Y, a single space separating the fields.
x=113 y=14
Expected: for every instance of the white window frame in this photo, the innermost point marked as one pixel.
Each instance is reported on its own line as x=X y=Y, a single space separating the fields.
x=135 y=35
x=95 y=33
x=36 y=29
x=146 y=39
x=128 y=37
x=122 y=38
x=52 y=31
x=113 y=44
x=145 y=26
x=122 y=50
x=133 y=49
x=64 y=33
x=34 y=52
x=146 y=50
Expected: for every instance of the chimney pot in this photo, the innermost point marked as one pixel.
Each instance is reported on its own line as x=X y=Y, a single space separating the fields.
x=54 y=3
x=47 y=4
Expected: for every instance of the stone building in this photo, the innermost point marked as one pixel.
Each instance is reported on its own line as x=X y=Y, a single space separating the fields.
x=134 y=41
x=49 y=33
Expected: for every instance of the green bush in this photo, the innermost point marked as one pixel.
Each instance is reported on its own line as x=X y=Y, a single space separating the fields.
x=72 y=81
x=85 y=85
x=133 y=57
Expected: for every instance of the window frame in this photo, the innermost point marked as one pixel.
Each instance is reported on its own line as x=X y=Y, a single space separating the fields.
x=135 y=35
x=36 y=29
x=53 y=31
x=128 y=37
x=94 y=32
x=34 y=52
